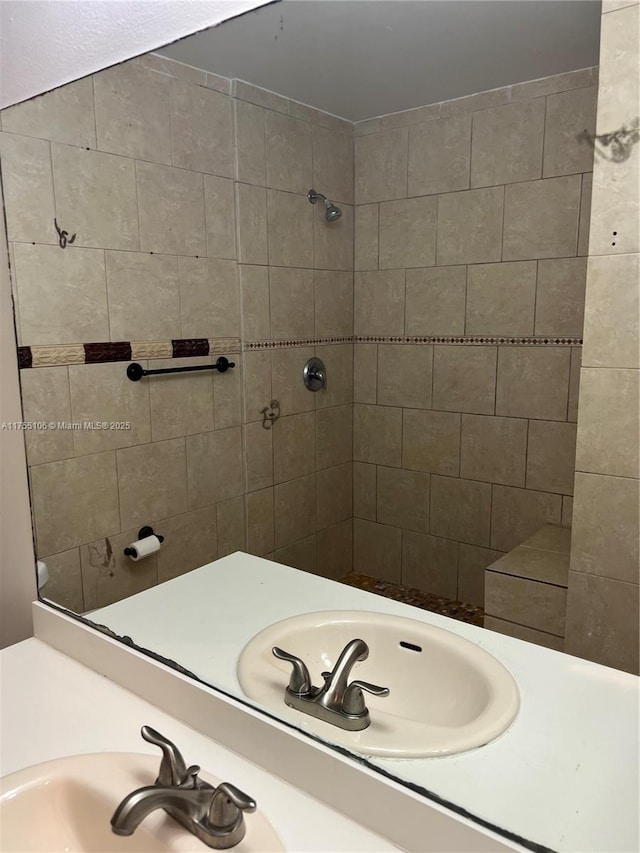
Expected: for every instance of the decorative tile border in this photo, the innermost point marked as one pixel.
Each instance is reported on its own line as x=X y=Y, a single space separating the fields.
x=459 y=340
x=99 y=353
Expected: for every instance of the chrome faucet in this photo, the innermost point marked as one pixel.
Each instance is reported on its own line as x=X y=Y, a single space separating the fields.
x=338 y=702
x=214 y=815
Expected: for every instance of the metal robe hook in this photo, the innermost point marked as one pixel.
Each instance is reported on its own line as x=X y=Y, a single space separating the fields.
x=270 y=414
x=63 y=236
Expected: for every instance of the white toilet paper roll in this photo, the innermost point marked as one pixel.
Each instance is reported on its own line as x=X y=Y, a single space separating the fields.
x=143 y=548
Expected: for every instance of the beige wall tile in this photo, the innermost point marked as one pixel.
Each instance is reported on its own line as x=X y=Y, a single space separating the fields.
x=251 y=220
x=232 y=525
x=109 y=576
x=333 y=164
x=470 y=226
x=493 y=449
x=460 y=510
x=335 y=551
x=585 y=214
x=366 y=237
x=569 y=114
x=218 y=83
x=377 y=435
x=295 y=510
x=534 y=564
x=96 y=197
x=144 y=296
x=333 y=302
x=190 y=541
x=618 y=83
x=261 y=97
x=436 y=301
x=335 y=494
x=101 y=393
x=430 y=564
x=215 y=467
x=608 y=441
x=612 y=311
x=258 y=444
x=62 y=296
x=615 y=214
x=439 y=156
x=333 y=241
x=68 y=509
x=517 y=513
x=405 y=375
x=537 y=605
x=62 y=115
x=533 y=383
x=294 y=446
x=291 y=301
x=334 y=436
x=377 y=550
x=301 y=555
x=227 y=394
x=254 y=289
x=603 y=621
x=152 y=482
x=541 y=218
x=501 y=299
x=220 y=217
x=364 y=490
x=381 y=166
x=408 y=233
x=431 y=441
x=201 y=129
x=64 y=586
x=45 y=398
x=555 y=83
x=250 y=143
x=471 y=103
x=606 y=505
x=402 y=499
x=289 y=157
x=551 y=537
x=180 y=404
x=551 y=456
x=567 y=510
x=287 y=382
x=209 y=298
x=133 y=112
x=574 y=384
x=560 y=296
x=472 y=562
x=365 y=373
x=464 y=379
x=164 y=65
x=338 y=359
x=260 y=522
x=290 y=230
x=171 y=210
x=521 y=632
x=406 y=118
x=614 y=5
x=27 y=183
x=378 y=303
x=507 y=143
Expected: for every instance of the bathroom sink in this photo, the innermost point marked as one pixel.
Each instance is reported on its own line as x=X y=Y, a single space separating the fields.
x=67 y=804
x=447 y=694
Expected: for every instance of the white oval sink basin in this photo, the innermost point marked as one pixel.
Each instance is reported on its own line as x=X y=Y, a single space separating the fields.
x=67 y=804
x=447 y=694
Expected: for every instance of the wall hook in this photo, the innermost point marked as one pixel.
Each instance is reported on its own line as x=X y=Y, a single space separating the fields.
x=270 y=414
x=63 y=236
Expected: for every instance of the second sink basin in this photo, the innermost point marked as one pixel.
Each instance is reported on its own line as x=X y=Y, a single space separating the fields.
x=447 y=694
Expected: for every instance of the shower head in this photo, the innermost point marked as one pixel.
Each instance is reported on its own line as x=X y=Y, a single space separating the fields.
x=332 y=211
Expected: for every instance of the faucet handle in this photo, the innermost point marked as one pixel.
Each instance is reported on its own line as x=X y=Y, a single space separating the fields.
x=300 y=681
x=353 y=702
x=227 y=805
x=173 y=768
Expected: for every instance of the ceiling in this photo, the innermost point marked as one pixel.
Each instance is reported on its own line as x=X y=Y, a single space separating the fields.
x=363 y=58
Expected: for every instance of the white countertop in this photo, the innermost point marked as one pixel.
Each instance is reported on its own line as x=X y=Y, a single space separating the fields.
x=549 y=778
x=53 y=706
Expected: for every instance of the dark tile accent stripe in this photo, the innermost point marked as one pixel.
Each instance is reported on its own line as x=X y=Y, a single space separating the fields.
x=187 y=347
x=25 y=359
x=109 y=351
x=461 y=340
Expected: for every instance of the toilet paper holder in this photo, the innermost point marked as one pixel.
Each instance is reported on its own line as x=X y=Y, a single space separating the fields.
x=142 y=534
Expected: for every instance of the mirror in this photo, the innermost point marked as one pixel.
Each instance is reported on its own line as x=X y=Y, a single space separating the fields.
x=325 y=180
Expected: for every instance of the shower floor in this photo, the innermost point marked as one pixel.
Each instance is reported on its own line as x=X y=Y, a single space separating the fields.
x=425 y=600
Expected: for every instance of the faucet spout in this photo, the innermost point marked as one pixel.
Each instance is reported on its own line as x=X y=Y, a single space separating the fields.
x=191 y=803
x=336 y=681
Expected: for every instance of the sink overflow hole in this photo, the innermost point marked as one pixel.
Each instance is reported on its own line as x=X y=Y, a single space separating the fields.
x=410 y=646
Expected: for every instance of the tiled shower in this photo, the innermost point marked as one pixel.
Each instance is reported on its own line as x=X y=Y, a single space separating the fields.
x=446 y=302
